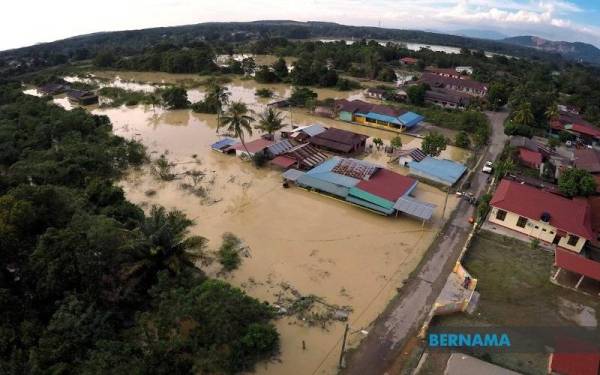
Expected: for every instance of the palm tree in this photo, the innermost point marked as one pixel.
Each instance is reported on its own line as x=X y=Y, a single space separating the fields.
x=169 y=244
x=238 y=121
x=153 y=100
x=220 y=95
x=270 y=121
x=503 y=167
x=552 y=112
x=524 y=115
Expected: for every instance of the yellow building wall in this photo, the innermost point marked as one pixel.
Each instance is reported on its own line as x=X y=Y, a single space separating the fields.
x=536 y=229
x=359 y=119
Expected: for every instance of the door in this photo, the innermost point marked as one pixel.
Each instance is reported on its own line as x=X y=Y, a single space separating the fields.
x=556 y=239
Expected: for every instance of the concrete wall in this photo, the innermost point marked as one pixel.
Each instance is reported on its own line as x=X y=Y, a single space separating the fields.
x=536 y=229
x=346 y=116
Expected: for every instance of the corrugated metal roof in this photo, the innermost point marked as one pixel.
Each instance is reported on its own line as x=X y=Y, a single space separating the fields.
x=370 y=206
x=324 y=172
x=307 y=180
x=283 y=161
x=385 y=118
x=311 y=130
x=292 y=174
x=223 y=143
x=371 y=198
x=280 y=147
x=416 y=208
x=441 y=169
x=410 y=119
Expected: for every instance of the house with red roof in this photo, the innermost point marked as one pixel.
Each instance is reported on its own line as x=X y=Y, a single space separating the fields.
x=408 y=61
x=250 y=148
x=531 y=159
x=545 y=216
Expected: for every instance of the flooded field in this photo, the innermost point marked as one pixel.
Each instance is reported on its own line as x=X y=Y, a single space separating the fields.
x=311 y=243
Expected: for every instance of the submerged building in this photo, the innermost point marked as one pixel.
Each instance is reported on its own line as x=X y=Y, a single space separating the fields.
x=364 y=113
x=364 y=184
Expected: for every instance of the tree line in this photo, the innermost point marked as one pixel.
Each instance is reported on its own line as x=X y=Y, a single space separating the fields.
x=90 y=283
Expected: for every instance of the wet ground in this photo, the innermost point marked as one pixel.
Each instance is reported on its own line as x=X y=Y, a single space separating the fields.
x=318 y=245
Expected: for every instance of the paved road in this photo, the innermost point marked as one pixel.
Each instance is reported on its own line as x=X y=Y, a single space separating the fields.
x=381 y=351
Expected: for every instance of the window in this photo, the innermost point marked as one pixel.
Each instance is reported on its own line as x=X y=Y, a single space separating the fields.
x=544 y=229
x=501 y=215
x=536 y=227
x=522 y=222
x=572 y=240
x=551 y=232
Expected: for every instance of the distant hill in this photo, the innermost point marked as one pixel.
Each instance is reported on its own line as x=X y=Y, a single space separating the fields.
x=134 y=41
x=480 y=34
x=573 y=51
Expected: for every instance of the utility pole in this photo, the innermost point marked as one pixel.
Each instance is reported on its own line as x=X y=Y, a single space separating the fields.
x=343 y=346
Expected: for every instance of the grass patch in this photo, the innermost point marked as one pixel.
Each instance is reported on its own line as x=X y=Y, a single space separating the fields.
x=514 y=283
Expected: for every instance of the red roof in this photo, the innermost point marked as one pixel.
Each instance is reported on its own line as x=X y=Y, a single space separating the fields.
x=409 y=60
x=595 y=206
x=252 y=146
x=577 y=263
x=575 y=363
x=387 y=184
x=592 y=131
x=531 y=158
x=283 y=161
x=569 y=215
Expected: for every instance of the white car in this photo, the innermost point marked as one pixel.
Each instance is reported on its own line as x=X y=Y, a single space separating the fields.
x=488 y=167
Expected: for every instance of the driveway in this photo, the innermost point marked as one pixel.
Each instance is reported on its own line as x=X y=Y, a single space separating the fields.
x=392 y=335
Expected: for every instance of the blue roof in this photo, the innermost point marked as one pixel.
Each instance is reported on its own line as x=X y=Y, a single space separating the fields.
x=386 y=118
x=307 y=180
x=225 y=142
x=442 y=170
x=410 y=119
x=323 y=172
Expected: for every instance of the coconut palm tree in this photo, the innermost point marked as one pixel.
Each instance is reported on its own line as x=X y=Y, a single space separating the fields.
x=524 y=115
x=552 y=112
x=169 y=245
x=270 y=121
x=238 y=121
x=220 y=96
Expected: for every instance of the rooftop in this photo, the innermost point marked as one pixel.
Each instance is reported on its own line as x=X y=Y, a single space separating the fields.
x=437 y=80
x=445 y=170
x=569 y=215
x=530 y=157
x=253 y=146
x=587 y=159
x=338 y=139
x=387 y=184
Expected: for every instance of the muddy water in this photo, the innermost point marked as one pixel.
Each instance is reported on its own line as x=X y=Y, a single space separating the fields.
x=316 y=244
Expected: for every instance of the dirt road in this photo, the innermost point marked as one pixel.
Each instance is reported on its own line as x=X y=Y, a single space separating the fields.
x=381 y=351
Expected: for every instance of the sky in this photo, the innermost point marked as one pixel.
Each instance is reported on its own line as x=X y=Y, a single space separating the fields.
x=27 y=22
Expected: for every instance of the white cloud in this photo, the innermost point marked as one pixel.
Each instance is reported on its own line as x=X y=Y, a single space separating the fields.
x=63 y=18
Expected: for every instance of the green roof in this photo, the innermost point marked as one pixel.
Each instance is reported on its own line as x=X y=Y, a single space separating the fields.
x=368 y=197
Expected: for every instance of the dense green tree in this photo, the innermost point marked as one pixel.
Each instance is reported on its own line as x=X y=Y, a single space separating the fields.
x=576 y=182
x=301 y=96
x=434 y=143
x=416 y=94
x=462 y=139
x=497 y=96
x=175 y=97
x=264 y=74
x=280 y=68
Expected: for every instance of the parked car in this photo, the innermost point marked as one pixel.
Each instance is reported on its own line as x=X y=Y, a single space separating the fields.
x=488 y=167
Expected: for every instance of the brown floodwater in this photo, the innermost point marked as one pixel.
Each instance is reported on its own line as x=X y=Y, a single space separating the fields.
x=318 y=245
